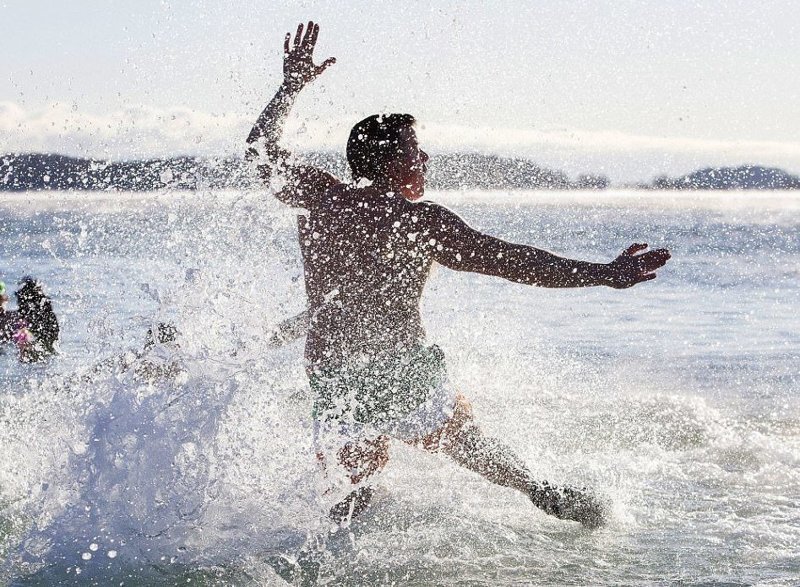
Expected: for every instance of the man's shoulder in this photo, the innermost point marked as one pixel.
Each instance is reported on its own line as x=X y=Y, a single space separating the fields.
x=421 y=211
x=430 y=211
x=349 y=196
x=429 y=206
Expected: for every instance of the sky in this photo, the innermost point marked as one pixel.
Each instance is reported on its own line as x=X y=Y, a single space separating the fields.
x=628 y=89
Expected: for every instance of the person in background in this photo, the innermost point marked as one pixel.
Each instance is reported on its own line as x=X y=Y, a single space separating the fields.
x=34 y=326
x=155 y=361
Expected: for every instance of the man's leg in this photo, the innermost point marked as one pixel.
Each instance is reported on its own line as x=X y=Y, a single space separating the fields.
x=362 y=458
x=463 y=441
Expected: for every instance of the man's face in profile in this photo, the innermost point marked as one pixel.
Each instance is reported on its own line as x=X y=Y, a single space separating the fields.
x=408 y=169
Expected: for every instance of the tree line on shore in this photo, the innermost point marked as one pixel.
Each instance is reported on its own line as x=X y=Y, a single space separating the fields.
x=447 y=171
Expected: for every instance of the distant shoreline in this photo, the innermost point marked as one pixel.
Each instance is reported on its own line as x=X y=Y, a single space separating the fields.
x=449 y=171
x=613 y=198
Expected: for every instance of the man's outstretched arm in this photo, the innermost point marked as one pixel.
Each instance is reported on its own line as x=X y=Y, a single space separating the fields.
x=303 y=182
x=458 y=246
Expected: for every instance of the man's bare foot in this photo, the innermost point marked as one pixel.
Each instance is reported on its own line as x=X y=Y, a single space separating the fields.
x=567 y=503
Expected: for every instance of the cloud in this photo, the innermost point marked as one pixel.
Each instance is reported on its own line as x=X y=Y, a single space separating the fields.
x=136 y=131
x=521 y=140
x=146 y=131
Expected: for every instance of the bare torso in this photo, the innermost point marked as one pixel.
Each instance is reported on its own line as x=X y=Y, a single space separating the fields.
x=366 y=263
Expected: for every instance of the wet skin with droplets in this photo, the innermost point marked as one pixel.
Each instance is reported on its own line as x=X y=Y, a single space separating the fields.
x=367 y=257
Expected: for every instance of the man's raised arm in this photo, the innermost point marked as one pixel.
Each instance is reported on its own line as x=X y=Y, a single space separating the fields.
x=303 y=182
x=458 y=246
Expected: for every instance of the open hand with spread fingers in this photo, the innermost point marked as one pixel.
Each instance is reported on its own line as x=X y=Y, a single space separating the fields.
x=298 y=62
x=634 y=266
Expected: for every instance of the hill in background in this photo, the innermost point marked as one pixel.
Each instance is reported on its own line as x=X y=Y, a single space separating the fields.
x=446 y=171
x=744 y=177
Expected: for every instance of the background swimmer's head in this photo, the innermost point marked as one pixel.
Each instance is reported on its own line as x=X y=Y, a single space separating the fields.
x=31 y=298
x=383 y=149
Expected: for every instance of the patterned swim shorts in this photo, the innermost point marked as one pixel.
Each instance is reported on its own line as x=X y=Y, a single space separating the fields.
x=406 y=396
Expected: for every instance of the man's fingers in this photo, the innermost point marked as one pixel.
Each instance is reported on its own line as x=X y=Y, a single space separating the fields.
x=653 y=259
x=635 y=248
x=308 y=35
x=661 y=256
x=325 y=64
x=286 y=43
x=298 y=37
x=314 y=36
x=639 y=279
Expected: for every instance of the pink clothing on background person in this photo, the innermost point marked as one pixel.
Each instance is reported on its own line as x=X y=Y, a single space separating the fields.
x=22 y=337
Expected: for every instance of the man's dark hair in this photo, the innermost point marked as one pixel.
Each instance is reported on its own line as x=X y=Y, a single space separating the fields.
x=374 y=142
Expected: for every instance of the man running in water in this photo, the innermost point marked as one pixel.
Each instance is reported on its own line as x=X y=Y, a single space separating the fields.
x=368 y=248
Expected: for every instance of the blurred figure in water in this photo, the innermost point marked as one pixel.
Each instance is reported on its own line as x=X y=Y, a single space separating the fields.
x=156 y=361
x=34 y=325
x=368 y=249
x=165 y=333
x=157 y=358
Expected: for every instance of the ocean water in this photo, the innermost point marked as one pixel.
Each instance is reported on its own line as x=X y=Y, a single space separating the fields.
x=676 y=400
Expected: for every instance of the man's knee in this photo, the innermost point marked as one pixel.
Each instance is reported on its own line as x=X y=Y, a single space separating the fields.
x=446 y=435
x=462 y=412
x=460 y=421
x=464 y=441
x=363 y=458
